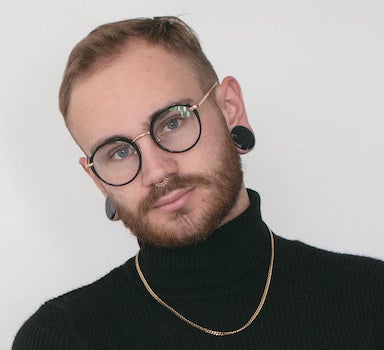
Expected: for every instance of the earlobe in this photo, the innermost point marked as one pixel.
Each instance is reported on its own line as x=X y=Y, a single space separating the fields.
x=231 y=103
x=110 y=210
x=83 y=162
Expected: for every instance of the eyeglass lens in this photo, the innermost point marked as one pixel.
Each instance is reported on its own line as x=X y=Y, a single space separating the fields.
x=176 y=129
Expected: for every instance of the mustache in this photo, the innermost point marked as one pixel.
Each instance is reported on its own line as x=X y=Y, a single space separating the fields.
x=174 y=183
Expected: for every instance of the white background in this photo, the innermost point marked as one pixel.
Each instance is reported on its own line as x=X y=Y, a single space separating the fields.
x=312 y=78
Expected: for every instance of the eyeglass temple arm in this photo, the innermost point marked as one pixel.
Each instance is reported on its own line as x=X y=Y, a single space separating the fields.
x=197 y=105
x=88 y=165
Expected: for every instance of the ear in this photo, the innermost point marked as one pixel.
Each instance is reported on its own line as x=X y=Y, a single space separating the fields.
x=230 y=101
x=100 y=185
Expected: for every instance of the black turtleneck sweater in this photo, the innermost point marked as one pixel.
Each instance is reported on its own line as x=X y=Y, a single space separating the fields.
x=317 y=299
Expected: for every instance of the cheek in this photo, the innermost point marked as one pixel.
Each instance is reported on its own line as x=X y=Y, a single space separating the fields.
x=214 y=129
x=128 y=196
x=213 y=138
x=204 y=157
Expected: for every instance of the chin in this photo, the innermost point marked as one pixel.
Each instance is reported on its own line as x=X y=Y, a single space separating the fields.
x=177 y=229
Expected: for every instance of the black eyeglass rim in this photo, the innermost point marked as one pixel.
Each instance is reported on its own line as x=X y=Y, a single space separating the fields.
x=136 y=147
x=157 y=115
x=111 y=140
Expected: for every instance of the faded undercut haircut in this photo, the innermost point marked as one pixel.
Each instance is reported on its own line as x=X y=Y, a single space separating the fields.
x=107 y=42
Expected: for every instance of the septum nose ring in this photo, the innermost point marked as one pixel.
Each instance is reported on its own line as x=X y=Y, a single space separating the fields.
x=162 y=183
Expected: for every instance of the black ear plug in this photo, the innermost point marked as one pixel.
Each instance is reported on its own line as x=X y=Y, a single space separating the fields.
x=243 y=138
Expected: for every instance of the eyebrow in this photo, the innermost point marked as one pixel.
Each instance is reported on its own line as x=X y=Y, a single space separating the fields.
x=145 y=125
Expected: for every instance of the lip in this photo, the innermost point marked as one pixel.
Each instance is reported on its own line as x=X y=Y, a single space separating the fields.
x=174 y=200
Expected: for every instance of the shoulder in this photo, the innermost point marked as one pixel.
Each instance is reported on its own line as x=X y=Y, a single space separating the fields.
x=58 y=323
x=337 y=275
x=310 y=258
x=98 y=294
x=340 y=262
x=340 y=291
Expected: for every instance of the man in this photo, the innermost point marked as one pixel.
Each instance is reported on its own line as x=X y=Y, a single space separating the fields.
x=162 y=138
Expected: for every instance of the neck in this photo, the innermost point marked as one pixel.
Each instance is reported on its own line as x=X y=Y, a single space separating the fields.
x=242 y=203
x=229 y=253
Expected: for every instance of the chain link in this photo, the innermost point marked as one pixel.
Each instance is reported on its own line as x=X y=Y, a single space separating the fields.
x=216 y=333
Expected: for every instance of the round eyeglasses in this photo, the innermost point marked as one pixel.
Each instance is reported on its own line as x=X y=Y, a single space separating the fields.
x=175 y=129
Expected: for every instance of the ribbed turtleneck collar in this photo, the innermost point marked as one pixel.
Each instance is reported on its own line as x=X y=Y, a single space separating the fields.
x=230 y=252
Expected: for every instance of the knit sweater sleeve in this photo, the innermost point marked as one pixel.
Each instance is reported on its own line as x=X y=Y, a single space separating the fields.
x=47 y=329
x=380 y=307
x=381 y=331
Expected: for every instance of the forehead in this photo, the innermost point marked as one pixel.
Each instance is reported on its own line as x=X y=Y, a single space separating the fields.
x=119 y=97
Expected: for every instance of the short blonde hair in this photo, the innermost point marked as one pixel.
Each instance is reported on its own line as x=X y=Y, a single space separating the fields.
x=107 y=41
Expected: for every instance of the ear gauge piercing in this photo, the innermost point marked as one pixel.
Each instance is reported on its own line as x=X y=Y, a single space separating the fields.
x=110 y=210
x=162 y=184
x=243 y=138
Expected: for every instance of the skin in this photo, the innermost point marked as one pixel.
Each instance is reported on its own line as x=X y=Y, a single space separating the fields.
x=118 y=99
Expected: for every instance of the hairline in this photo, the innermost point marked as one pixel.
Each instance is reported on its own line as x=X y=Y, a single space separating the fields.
x=102 y=63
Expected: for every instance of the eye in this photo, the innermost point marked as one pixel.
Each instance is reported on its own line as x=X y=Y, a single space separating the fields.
x=121 y=152
x=171 y=125
x=172 y=120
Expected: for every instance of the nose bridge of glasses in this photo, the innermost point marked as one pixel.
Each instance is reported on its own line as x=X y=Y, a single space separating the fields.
x=141 y=135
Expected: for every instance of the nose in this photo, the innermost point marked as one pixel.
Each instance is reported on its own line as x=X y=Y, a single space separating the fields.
x=157 y=164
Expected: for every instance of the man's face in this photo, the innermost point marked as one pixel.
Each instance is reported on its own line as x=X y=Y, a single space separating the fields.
x=204 y=182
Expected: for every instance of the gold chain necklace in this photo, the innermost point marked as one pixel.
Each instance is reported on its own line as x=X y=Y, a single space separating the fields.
x=204 y=329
